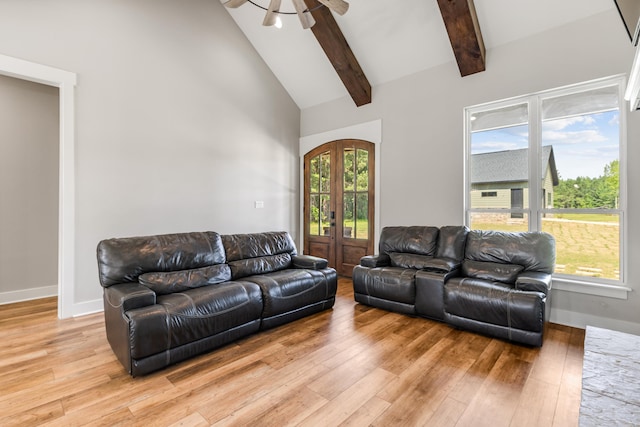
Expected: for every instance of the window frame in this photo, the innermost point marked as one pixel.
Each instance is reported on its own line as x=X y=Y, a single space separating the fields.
x=536 y=205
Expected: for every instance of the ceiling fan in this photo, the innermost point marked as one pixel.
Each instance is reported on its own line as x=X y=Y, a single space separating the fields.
x=304 y=13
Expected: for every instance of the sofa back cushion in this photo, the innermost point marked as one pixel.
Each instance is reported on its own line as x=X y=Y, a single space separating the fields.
x=258 y=253
x=123 y=260
x=451 y=242
x=419 y=240
x=534 y=251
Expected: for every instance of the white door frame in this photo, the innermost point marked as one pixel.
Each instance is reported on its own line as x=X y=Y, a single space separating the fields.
x=66 y=82
x=369 y=131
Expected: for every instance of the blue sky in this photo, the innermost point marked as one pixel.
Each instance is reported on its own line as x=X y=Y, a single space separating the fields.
x=582 y=145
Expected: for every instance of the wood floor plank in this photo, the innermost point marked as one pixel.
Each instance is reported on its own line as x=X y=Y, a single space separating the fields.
x=35 y=416
x=347 y=403
x=288 y=404
x=447 y=414
x=367 y=413
x=497 y=399
x=426 y=391
x=353 y=366
x=542 y=413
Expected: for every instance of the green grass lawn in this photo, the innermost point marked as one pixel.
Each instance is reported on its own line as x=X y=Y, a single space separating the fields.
x=588 y=217
x=361 y=232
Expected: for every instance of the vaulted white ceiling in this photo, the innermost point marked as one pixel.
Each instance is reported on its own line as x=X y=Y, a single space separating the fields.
x=392 y=38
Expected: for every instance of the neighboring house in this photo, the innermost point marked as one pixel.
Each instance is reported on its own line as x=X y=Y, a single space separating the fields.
x=499 y=179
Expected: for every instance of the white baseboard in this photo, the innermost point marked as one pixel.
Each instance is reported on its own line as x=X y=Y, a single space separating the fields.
x=87 y=307
x=28 y=294
x=581 y=320
x=79 y=309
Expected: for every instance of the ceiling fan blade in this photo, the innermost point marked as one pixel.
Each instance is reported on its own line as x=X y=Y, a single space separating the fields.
x=234 y=3
x=270 y=17
x=306 y=19
x=338 y=6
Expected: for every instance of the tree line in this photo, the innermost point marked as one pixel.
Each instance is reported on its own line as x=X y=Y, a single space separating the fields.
x=590 y=193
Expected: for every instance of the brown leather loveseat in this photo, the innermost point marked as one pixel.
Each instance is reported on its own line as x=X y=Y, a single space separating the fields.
x=492 y=282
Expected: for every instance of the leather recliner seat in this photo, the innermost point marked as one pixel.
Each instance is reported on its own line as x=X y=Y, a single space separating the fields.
x=504 y=285
x=401 y=277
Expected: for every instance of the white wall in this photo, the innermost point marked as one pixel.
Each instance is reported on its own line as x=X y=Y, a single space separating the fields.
x=28 y=189
x=422 y=121
x=180 y=126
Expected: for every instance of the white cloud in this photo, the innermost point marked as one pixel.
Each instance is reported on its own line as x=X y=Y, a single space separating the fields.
x=574 y=137
x=491 y=146
x=561 y=124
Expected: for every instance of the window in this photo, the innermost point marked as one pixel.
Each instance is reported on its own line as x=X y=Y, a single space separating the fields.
x=552 y=162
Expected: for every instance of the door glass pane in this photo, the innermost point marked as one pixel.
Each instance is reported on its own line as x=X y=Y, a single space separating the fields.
x=314 y=215
x=349 y=170
x=319 y=195
x=362 y=170
x=348 y=220
x=325 y=172
x=325 y=214
x=314 y=175
x=362 y=216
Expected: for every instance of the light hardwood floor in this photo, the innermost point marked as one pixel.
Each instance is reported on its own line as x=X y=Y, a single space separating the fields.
x=352 y=366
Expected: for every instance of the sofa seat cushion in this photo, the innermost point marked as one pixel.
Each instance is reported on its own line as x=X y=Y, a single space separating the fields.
x=494 y=303
x=185 y=317
x=491 y=271
x=389 y=283
x=408 y=260
x=178 y=281
x=288 y=290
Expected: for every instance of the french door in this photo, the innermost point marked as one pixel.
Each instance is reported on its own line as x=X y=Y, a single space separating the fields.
x=339 y=202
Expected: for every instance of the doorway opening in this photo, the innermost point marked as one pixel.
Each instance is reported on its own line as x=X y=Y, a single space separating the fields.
x=65 y=81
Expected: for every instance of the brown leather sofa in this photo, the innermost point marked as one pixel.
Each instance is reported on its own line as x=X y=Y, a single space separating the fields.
x=170 y=297
x=491 y=282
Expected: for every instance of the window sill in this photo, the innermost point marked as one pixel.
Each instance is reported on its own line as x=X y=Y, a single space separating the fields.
x=599 y=289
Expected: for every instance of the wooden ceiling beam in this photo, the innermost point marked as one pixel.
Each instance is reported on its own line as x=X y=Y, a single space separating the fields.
x=335 y=46
x=461 y=22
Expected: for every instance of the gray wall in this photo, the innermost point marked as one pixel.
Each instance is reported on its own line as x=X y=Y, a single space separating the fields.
x=180 y=126
x=28 y=189
x=422 y=151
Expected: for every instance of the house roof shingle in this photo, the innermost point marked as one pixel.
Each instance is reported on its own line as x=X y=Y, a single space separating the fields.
x=508 y=166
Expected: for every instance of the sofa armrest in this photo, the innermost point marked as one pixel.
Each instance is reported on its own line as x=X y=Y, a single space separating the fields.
x=534 y=281
x=309 y=262
x=373 y=261
x=127 y=296
x=118 y=300
x=442 y=265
